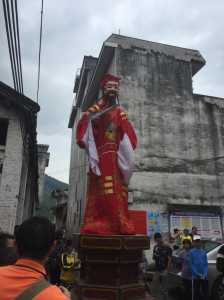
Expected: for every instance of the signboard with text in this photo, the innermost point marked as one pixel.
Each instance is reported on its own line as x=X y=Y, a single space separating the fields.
x=208 y=224
x=157 y=222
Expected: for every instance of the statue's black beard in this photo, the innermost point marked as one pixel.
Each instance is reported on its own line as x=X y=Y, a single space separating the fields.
x=112 y=99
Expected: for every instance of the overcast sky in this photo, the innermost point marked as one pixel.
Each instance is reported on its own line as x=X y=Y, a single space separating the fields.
x=72 y=29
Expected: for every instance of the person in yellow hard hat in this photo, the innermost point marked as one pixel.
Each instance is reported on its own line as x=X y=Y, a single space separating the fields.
x=185 y=236
x=69 y=262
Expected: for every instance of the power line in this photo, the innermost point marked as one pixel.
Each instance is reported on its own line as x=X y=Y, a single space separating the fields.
x=12 y=31
x=40 y=44
x=11 y=53
x=15 y=39
x=18 y=37
x=12 y=44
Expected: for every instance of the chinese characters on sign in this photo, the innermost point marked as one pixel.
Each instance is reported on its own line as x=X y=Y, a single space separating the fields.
x=208 y=224
x=157 y=222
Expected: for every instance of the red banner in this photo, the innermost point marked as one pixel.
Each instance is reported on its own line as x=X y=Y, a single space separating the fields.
x=139 y=218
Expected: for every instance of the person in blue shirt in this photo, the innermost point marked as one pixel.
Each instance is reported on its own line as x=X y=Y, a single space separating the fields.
x=199 y=269
x=186 y=274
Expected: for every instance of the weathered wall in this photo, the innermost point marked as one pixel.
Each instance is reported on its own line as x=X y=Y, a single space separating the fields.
x=43 y=161
x=10 y=181
x=23 y=186
x=78 y=159
x=180 y=154
x=180 y=134
x=77 y=183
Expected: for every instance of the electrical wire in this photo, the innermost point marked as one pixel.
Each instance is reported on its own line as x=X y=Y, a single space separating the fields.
x=18 y=38
x=40 y=44
x=9 y=41
x=12 y=31
x=12 y=43
x=15 y=42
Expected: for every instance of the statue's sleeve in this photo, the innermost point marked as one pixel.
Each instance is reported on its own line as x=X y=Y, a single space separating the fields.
x=85 y=139
x=81 y=131
x=127 y=128
x=127 y=145
x=83 y=123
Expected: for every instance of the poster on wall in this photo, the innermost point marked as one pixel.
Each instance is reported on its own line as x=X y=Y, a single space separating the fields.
x=208 y=224
x=164 y=223
x=157 y=222
x=153 y=222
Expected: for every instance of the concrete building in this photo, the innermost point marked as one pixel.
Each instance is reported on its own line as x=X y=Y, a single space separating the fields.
x=43 y=162
x=18 y=157
x=78 y=160
x=60 y=209
x=180 y=156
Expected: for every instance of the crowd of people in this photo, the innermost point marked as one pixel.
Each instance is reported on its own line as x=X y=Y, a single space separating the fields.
x=37 y=262
x=190 y=258
x=179 y=236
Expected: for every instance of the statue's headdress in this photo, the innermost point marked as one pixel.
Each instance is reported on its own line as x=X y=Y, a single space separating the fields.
x=108 y=77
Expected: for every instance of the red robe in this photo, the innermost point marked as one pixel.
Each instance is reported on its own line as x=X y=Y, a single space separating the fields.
x=109 y=142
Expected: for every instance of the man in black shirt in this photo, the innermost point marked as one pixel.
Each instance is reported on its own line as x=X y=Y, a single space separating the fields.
x=162 y=254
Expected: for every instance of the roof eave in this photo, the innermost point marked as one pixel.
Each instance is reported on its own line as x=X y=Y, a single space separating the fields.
x=72 y=117
x=105 y=57
x=196 y=65
x=193 y=56
x=18 y=98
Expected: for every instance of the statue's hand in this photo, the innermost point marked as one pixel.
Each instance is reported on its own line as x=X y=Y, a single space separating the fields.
x=86 y=113
x=94 y=109
x=91 y=110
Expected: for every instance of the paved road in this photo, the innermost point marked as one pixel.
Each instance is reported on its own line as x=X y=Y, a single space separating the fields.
x=156 y=288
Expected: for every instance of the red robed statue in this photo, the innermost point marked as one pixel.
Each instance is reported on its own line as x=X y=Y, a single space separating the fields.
x=109 y=140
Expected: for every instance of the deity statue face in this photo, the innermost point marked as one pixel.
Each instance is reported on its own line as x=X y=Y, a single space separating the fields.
x=111 y=89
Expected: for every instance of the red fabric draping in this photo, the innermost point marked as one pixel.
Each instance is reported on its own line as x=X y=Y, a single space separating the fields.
x=107 y=195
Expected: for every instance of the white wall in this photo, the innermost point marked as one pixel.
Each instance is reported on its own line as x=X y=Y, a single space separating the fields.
x=10 y=181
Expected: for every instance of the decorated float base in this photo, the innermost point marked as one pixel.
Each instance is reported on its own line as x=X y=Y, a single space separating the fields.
x=111 y=267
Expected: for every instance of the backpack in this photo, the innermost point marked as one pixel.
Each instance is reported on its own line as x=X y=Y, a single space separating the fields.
x=33 y=290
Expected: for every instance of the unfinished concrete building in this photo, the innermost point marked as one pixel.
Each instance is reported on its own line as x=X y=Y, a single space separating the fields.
x=60 y=208
x=18 y=157
x=180 y=156
x=43 y=162
x=78 y=160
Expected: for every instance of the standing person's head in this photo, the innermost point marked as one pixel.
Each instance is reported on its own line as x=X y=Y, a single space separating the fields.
x=35 y=238
x=187 y=244
x=16 y=229
x=69 y=246
x=197 y=241
x=158 y=238
x=8 y=254
x=6 y=240
x=59 y=236
x=176 y=230
x=186 y=232
x=194 y=230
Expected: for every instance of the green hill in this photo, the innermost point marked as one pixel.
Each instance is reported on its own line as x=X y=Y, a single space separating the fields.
x=48 y=201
